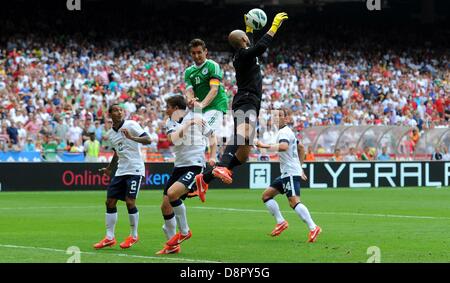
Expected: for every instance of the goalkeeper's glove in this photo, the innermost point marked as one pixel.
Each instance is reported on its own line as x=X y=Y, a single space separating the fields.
x=247 y=28
x=277 y=21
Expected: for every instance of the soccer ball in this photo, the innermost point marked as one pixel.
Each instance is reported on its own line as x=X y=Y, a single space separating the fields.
x=256 y=19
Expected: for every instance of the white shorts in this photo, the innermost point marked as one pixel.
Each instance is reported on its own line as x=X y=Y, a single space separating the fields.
x=214 y=119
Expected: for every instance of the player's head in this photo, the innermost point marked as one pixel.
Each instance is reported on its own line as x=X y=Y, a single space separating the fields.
x=175 y=104
x=116 y=113
x=238 y=39
x=198 y=51
x=281 y=117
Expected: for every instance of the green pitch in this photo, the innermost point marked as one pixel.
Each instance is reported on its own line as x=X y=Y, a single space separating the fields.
x=407 y=225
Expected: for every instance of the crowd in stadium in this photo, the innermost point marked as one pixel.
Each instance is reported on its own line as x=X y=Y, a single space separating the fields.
x=54 y=92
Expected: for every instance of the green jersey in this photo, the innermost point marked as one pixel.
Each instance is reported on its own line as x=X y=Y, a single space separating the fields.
x=199 y=77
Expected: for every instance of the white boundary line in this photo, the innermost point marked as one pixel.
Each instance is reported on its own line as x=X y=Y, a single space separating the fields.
x=162 y=258
x=247 y=210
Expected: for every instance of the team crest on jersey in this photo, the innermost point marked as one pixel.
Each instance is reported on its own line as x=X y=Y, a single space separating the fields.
x=205 y=71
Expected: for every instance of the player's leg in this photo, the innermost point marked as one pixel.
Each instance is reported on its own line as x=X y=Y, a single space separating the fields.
x=176 y=193
x=238 y=148
x=271 y=204
x=170 y=222
x=292 y=184
x=114 y=192
x=133 y=187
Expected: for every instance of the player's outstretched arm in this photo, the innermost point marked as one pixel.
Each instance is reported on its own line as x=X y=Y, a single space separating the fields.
x=279 y=147
x=277 y=21
x=248 y=30
x=144 y=139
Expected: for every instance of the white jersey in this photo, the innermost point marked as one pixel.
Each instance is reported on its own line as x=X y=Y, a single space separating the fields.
x=129 y=152
x=289 y=162
x=190 y=149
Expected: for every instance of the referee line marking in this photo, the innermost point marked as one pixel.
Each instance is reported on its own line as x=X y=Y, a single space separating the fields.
x=109 y=254
x=246 y=210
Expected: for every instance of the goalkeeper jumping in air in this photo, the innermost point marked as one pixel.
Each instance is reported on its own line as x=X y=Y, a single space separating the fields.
x=246 y=103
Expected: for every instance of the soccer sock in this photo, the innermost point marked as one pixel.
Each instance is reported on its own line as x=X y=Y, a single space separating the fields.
x=170 y=226
x=133 y=215
x=303 y=212
x=111 y=219
x=229 y=153
x=180 y=214
x=233 y=163
x=274 y=209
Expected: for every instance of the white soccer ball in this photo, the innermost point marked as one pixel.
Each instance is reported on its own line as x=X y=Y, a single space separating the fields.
x=256 y=19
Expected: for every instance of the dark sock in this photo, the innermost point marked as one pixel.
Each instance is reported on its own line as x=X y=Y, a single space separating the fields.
x=233 y=163
x=208 y=176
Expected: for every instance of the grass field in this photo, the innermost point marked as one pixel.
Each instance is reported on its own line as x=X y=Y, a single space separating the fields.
x=407 y=225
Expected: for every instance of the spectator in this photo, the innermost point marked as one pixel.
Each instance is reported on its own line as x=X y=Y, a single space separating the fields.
x=91 y=148
x=445 y=153
x=436 y=155
x=337 y=155
x=383 y=156
x=310 y=154
x=367 y=155
x=13 y=133
x=351 y=156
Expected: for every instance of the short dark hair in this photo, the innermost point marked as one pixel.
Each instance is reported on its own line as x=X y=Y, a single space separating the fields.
x=110 y=109
x=177 y=101
x=196 y=42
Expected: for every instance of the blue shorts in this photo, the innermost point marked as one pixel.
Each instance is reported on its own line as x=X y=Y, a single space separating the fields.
x=289 y=185
x=124 y=186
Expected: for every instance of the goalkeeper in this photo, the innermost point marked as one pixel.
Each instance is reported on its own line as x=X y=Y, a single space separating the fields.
x=246 y=103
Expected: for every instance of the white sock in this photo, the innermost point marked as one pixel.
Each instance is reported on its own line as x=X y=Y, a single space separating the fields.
x=134 y=221
x=180 y=214
x=274 y=209
x=170 y=227
x=303 y=212
x=111 y=219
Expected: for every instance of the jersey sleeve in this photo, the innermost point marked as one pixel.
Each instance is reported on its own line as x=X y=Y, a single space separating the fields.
x=170 y=127
x=187 y=80
x=283 y=137
x=258 y=49
x=136 y=129
x=215 y=72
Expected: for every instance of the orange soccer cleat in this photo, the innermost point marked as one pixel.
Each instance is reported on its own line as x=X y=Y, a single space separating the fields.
x=169 y=250
x=193 y=194
x=313 y=234
x=178 y=239
x=105 y=243
x=224 y=174
x=202 y=187
x=279 y=228
x=129 y=241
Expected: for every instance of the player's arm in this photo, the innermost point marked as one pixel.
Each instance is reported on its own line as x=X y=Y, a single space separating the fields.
x=175 y=135
x=248 y=31
x=283 y=145
x=107 y=170
x=301 y=152
x=261 y=46
x=137 y=134
x=190 y=95
x=214 y=89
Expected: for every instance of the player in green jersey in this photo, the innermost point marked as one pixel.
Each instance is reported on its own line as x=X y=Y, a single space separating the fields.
x=204 y=89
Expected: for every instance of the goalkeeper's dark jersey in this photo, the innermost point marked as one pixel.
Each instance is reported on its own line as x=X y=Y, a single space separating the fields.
x=248 y=71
